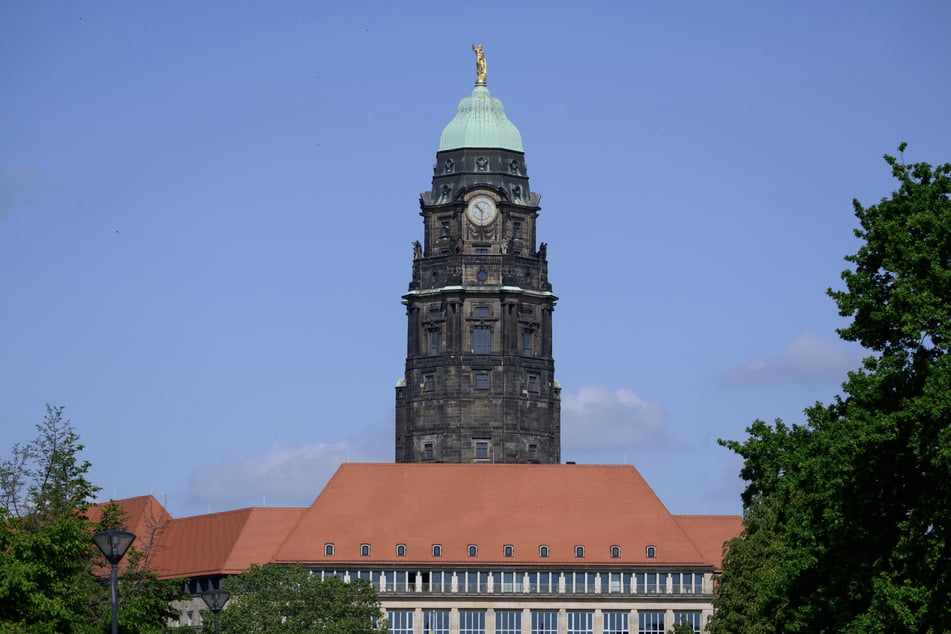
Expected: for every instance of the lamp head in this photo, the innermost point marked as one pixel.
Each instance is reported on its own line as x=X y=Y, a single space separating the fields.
x=113 y=544
x=215 y=599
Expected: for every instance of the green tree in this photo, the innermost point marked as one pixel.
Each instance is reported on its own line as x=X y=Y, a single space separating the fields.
x=45 y=545
x=275 y=599
x=846 y=518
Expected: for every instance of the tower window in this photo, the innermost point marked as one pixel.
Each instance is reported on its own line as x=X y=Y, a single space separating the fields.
x=516 y=230
x=437 y=550
x=435 y=312
x=401 y=550
x=579 y=552
x=533 y=452
x=543 y=552
x=532 y=382
x=429 y=382
x=482 y=251
x=364 y=550
x=445 y=228
x=435 y=339
x=481 y=380
x=508 y=550
x=482 y=275
x=615 y=552
x=481 y=339
x=428 y=451
x=480 y=311
x=328 y=550
x=473 y=550
x=482 y=449
x=528 y=341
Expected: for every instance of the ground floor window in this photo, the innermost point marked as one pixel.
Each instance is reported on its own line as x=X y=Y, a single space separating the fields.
x=401 y=621
x=615 y=622
x=544 y=622
x=508 y=622
x=436 y=622
x=650 y=622
x=690 y=617
x=580 y=622
x=471 y=621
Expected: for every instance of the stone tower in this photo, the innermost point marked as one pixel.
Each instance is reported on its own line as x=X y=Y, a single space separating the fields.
x=479 y=383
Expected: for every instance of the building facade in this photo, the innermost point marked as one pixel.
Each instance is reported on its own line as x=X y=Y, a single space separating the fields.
x=480 y=381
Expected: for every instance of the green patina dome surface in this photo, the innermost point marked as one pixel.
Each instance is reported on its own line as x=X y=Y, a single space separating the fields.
x=480 y=122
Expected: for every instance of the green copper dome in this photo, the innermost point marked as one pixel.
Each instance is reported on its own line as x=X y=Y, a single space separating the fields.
x=480 y=122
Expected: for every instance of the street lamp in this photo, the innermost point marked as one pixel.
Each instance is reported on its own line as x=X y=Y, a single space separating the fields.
x=215 y=600
x=113 y=545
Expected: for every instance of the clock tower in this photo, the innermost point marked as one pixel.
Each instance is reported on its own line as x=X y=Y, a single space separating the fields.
x=479 y=383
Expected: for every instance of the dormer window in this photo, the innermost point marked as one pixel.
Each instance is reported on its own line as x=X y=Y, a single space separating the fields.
x=615 y=552
x=364 y=550
x=651 y=552
x=401 y=550
x=437 y=550
x=579 y=552
x=473 y=550
x=508 y=550
x=328 y=550
x=543 y=552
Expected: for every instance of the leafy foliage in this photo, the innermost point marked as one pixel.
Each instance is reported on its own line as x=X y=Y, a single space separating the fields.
x=48 y=561
x=276 y=600
x=846 y=519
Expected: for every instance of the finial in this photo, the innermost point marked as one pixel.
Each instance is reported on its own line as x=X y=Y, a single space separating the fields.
x=480 y=64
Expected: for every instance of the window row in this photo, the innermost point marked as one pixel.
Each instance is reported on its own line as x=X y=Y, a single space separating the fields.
x=508 y=550
x=481 y=340
x=547 y=582
x=436 y=621
x=480 y=381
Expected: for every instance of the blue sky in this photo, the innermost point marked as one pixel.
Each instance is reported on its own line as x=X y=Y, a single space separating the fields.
x=207 y=210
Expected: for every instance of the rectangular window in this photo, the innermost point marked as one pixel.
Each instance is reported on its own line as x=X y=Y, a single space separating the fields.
x=436 y=621
x=690 y=617
x=532 y=382
x=516 y=230
x=481 y=380
x=480 y=311
x=580 y=622
x=482 y=339
x=533 y=452
x=544 y=622
x=428 y=451
x=435 y=340
x=511 y=581
x=445 y=228
x=429 y=382
x=482 y=251
x=508 y=622
x=650 y=622
x=482 y=450
x=471 y=621
x=528 y=341
x=615 y=622
x=401 y=621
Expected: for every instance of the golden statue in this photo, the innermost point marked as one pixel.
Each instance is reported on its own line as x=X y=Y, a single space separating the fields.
x=480 y=63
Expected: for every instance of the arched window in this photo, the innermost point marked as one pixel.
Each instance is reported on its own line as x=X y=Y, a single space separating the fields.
x=579 y=552
x=508 y=550
x=651 y=552
x=329 y=550
x=615 y=552
x=543 y=552
x=437 y=550
x=364 y=550
x=473 y=550
x=401 y=550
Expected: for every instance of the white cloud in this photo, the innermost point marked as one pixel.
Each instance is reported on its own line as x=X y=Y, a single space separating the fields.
x=806 y=359
x=599 y=418
x=285 y=476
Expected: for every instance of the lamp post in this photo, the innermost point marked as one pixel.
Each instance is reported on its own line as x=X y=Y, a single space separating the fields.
x=215 y=600
x=113 y=545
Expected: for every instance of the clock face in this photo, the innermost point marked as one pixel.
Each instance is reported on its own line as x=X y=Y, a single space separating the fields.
x=481 y=210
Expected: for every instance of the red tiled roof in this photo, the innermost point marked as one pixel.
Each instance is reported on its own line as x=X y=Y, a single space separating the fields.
x=222 y=543
x=489 y=505
x=710 y=532
x=142 y=513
